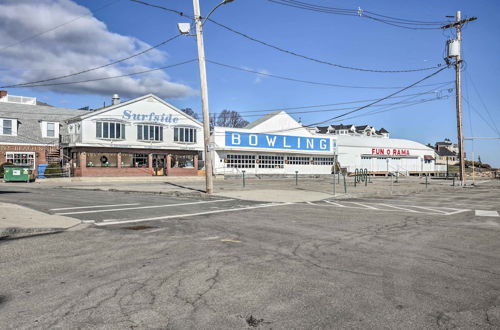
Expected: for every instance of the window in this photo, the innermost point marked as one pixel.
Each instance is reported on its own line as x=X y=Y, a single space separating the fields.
x=105 y=159
x=182 y=161
x=110 y=130
x=149 y=132
x=51 y=129
x=185 y=134
x=21 y=158
x=323 y=160
x=135 y=160
x=7 y=127
x=293 y=160
x=271 y=161
x=240 y=161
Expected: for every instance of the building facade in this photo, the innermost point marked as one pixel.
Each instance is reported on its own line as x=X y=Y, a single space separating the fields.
x=30 y=132
x=278 y=144
x=141 y=137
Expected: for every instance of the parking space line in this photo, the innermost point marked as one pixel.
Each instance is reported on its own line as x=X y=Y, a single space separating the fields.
x=486 y=213
x=336 y=204
x=145 y=207
x=112 y=222
x=457 y=211
x=428 y=208
x=399 y=208
x=365 y=206
x=91 y=207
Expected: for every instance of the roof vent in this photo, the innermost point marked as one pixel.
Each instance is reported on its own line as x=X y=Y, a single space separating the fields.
x=115 y=99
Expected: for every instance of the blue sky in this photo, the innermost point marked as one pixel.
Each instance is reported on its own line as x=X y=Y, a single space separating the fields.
x=346 y=40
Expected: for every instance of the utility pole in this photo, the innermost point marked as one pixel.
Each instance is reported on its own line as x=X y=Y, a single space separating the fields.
x=209 y=182
x=458 y=86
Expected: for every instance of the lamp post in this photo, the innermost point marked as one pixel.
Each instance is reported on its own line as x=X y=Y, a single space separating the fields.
x=184 y=29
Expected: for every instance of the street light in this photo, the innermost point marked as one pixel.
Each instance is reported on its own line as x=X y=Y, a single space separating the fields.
x=184 y=28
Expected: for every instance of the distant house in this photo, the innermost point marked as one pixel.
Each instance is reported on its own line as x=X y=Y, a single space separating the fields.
x=352 y=130
x=446 y=152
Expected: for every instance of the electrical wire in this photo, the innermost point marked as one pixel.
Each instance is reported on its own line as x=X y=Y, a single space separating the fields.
x=113 y=77
x=300 y=80
x=315 y=59
x=60 y=25
x=467 y=74
x=161 y=7
x=94 y=68
x=481 y=116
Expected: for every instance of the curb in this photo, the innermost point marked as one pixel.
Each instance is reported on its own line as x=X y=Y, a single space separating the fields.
x=18 y=232
x=174 y=193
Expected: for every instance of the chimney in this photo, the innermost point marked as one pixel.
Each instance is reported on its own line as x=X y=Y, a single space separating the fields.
x=115 y=99
x=3 y=94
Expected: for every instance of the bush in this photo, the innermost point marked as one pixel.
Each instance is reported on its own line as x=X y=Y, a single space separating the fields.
x=53 y=170
x=1 y=168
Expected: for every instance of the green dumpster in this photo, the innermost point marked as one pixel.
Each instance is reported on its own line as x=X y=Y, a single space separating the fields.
x=14 y=173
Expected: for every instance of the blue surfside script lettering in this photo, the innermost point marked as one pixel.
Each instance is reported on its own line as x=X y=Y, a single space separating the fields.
x=152 y=117
x=271 y=141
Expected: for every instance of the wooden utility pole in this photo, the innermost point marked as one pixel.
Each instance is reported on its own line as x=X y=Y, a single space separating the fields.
x=458 y=88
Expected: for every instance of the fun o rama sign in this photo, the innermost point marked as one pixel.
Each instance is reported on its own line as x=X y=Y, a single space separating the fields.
x=272 y=141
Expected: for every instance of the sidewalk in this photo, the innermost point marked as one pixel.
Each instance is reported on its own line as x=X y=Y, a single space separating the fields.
x=18 y=221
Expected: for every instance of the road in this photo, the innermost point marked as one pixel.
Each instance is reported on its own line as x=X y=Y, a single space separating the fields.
x=425 y=261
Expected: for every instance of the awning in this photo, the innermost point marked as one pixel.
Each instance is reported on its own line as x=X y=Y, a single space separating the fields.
x=428 y=157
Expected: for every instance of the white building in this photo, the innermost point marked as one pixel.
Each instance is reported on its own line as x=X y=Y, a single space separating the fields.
x=274 y=144
x=278 y=144
x=143 y=136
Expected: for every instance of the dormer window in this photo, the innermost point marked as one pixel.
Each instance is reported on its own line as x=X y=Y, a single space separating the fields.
x=8 y=127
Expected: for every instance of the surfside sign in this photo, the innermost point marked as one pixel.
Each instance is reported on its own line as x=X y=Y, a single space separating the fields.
x=272 y=141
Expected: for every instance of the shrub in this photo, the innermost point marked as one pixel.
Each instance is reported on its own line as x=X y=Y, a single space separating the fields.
x=53 y=170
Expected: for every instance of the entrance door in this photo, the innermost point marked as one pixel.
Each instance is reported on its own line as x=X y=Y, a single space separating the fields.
x=159 y=164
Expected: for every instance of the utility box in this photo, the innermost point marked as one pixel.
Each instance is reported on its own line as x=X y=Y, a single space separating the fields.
x=18 y=173
x=453 y=48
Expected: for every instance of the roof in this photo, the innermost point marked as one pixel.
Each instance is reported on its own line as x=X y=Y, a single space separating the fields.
x=261 y=119
x=443 y=143
x=445 y=152
x=365 y=141
x=341 y=126
x=428 y=157
x=382 y=130
x=29 y=117
x=361 y=128
x=322 y=129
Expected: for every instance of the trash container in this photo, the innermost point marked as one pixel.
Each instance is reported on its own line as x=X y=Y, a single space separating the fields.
x=13 y=173
x=41 y=170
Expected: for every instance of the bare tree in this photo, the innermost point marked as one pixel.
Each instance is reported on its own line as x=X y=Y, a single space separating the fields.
x=190 y=112
x=230 y=118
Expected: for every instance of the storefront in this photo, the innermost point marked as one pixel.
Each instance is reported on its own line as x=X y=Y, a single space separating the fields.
x=275 y=144
x=278 y=144
x=141 y=137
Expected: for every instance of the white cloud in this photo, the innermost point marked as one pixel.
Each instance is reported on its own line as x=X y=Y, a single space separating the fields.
x=82 y=44
x=259 y=78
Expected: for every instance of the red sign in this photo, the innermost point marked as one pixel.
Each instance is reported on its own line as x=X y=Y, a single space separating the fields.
x=390 y=152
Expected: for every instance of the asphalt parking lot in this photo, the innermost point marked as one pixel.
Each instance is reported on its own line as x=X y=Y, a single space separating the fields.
x=424 y=261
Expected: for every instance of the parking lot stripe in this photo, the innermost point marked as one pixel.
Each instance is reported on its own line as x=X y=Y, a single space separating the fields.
x=486 y=213
x=364 y=205
x=112 y=222
x=399 y=208
x=428 y=208
x=336 y=204
x=91 y=207
x=145 y=207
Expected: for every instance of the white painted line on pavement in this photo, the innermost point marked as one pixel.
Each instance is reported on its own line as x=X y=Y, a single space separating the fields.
x=457 y=211
x=311 y=203
x=336 y=204
x=108 y=223
x=146 y=207
x=486 y=213
x=429 y=209
x=364 y=205
x=91 y=207
x=155 y=230
x=399 y=208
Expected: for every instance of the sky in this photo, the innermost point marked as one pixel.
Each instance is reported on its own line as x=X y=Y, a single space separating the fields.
x=48 y=38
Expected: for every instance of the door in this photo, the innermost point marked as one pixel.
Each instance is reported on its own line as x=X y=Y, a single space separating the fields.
x=159 y=164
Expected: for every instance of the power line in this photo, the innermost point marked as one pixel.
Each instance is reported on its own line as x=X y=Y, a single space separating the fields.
x=386 y=97
x=60 y=25
x=113 y=77
x=481 y=116
x=315 y=59
x=95 y=68
x=333 y=104
x=161 y=7
x=300 y=80
x=482 y=101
